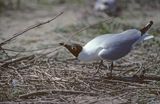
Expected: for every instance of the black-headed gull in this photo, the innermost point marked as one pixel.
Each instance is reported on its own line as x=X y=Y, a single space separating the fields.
x=109 y=47
x=108 y=6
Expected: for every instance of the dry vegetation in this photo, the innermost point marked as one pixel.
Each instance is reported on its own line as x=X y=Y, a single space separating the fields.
x=33 y=69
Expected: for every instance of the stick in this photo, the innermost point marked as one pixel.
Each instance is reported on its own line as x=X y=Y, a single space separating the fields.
x=17 y=60
x=31 y=50
x=84 y=28
x=140 y=79
x=29 y=28
x=44 y=92
x=5 y=53
x=44 y=54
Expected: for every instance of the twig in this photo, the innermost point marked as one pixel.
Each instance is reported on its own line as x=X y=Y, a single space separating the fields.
x=128 y=83
x=29 y=50
x=16 y=60
x=4 y=52
x=44 y=54
x=20 y=76
x=44 y=92
x=29 y=28
x=2 y=68
x=86 y=27
x=140 y=79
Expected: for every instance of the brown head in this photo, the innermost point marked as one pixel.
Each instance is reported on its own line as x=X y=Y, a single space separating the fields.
x=146 y=28
x=75 y=49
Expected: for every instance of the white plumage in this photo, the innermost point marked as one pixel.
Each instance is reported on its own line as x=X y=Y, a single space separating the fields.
x=111 y=46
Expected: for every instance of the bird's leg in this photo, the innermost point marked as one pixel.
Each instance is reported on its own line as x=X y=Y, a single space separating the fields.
x=99 y=66
x=111 y=68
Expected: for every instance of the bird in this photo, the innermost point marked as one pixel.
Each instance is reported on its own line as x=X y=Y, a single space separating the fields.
x=109 y=7
x=109 y=47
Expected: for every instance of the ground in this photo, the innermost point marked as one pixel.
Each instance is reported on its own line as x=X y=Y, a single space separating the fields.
x=64 y=81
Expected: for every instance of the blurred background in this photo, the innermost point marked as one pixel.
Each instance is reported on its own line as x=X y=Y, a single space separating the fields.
x=15 y=15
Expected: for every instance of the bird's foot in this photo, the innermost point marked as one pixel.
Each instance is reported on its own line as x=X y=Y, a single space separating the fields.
x=111 y=68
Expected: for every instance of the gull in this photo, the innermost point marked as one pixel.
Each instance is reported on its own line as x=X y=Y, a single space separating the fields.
x=108 y=6
x=109 y=47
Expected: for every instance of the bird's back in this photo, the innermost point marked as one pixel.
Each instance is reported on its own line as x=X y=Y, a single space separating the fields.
x=107 y=41
x=128 y=37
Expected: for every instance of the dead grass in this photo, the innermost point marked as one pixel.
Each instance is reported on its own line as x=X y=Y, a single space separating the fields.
x=54 y=76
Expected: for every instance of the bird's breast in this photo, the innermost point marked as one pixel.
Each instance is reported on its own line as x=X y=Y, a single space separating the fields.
x=89 y=54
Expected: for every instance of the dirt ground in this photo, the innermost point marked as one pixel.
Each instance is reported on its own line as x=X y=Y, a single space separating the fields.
x=51 y=78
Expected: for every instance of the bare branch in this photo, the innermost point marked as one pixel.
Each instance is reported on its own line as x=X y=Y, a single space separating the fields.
x=17 y=60
x=53 y=46
x=140 y=79
x=29 y=28
x=86 y=27
x=44 y=92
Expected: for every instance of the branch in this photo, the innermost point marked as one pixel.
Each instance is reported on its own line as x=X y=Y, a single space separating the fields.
x=16 y=60
x=138 y=79
x=44 y=92
x=86 y=27
x=12 y=50
x=141 y=79
x=29 y=28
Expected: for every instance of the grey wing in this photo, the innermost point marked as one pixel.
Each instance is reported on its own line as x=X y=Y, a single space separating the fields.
x=128 y=38
x=118 y=46
x=114 y=53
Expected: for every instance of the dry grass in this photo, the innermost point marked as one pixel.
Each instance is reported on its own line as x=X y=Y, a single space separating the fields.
x=26 y=77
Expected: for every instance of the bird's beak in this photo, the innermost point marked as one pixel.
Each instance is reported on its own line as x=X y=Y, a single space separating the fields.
x=65 y=45
x=61 y=44
x=146 y=28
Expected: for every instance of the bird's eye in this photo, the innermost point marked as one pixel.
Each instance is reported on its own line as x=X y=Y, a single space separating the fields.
x=106 y=3
x=73 y=48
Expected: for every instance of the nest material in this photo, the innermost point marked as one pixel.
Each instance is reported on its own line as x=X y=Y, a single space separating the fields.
x=54 y=79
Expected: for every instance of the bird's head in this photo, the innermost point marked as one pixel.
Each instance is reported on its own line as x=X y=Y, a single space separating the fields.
x=75 y=49
x=146 y=28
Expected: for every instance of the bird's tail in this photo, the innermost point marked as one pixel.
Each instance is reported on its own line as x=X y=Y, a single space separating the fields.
x=144 y=34
x=145 y=37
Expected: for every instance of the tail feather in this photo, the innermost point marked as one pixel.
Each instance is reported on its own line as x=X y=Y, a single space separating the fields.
x=146 y=36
